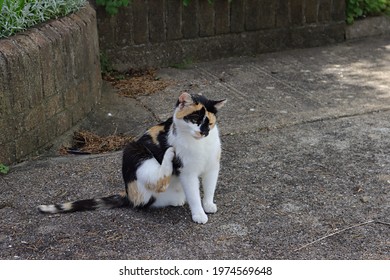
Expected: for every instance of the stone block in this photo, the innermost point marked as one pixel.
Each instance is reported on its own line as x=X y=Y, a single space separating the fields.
x=260 y=14
x=237 y=18
x=8 y=153
x=16 y=80
x=156 y=19
x=16 y=121
x=78 y=113
x=173 y=19
x=53 y=105
x=338 y=10
x=46 y=55
x=206 y=19
x=140 y=21
x=251 y=14
x=57 y=60
x=34 y=118
x=222 y=16
x=6 y=129
x=122 y=27
x=324 y=10
x=108 y=28
x=311 y=11
x=190 y=23
x=30 y=71
x=63 y=122
x=5 y=90
x=296 y=7
x=282 y=13
x=267 y=14
x=74 y=67
x=26 y=144
x=70 y=97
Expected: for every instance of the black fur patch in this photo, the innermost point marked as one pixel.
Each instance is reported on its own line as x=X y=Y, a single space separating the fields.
x=177 y=165
x=116 y=201
x=209 y=104
x=196 y=117
x=83 y=205
x=144 y=148
x=147 y=205
x=204 y=128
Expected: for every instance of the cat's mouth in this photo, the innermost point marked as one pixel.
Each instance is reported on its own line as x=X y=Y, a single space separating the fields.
x=199 y=135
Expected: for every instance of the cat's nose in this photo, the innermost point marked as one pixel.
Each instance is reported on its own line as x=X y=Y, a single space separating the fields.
x=204 y=133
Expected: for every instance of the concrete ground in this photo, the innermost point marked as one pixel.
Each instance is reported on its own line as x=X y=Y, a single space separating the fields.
x=305 y=167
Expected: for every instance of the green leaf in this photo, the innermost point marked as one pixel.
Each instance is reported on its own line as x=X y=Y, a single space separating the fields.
x=4 y=169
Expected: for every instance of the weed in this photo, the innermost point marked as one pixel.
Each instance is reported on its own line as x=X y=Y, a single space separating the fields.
x=105 y=64
x=185 y=64
x=112 y=6
x=3 y=168
x=362 y=8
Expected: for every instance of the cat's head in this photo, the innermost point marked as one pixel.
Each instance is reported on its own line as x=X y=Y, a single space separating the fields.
x=196 y=115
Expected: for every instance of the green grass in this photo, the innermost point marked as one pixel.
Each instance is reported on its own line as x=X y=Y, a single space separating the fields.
x=18 y=15
x=3 y=169
x=361 y=8
x=185 y=64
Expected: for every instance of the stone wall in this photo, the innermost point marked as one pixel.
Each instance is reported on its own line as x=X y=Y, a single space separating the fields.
x=164 y=32
x=49 y=80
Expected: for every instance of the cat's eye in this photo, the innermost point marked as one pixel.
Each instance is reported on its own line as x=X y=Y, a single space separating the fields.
x=194 y=118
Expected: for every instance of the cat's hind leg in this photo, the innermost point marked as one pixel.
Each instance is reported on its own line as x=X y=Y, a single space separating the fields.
x=173 y=196
x=154 y=176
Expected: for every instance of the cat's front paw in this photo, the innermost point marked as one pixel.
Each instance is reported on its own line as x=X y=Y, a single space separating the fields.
x=200 y=218
x=210 y=208
x=169 y=154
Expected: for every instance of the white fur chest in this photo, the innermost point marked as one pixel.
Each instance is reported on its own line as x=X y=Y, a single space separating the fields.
x=197 y=155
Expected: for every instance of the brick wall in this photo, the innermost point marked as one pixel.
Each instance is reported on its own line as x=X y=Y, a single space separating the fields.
x=164 y=32
x=49 y=80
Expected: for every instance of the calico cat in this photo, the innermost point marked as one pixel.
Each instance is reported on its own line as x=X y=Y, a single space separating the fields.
x=163 y=167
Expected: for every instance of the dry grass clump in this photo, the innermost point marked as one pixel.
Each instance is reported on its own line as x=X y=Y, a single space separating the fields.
x=87 y=142
x=137 y=82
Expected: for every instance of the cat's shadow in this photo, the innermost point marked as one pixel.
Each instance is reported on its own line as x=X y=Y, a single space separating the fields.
x=166 y=215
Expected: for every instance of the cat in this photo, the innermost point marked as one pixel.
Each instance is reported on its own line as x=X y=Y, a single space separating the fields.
x=163 y=167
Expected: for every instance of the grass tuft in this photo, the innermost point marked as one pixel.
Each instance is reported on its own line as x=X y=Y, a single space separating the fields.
x=18 y=15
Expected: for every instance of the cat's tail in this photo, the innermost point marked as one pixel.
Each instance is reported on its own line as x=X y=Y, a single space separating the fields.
x=113 y=201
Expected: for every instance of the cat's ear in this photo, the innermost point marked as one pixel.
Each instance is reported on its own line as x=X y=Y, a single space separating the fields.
x=219 y=104
x=185 y=99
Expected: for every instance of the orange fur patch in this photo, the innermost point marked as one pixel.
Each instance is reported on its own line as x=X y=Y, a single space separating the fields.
x=134 y=194
x=154 y=132
x=212 y=119
x=187 y=110
x=161 y=185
